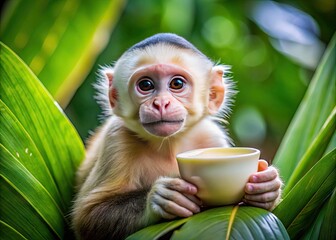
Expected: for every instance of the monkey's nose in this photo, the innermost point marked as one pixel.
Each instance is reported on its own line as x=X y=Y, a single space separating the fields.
x=161 y=104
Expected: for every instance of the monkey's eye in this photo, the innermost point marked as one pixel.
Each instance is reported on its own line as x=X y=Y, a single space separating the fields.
x=177 y=83
x=145 y=85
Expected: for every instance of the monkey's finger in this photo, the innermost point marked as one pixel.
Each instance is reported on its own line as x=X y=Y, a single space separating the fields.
x=180 y=199
x=262 y=198
x=171 y=207
x=264 y=176
x=159 y=211
x=265 y=205
x=179 y=185
x=262 y=165
x=263 y=187
x=194 y=199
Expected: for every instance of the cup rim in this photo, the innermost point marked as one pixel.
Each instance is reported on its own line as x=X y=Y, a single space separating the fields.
x=192 y=153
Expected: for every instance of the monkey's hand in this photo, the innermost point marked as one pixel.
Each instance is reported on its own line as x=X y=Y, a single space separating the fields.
x=170 y=198
x=264 y=187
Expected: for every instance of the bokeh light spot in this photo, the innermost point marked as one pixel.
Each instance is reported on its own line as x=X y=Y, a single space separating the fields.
x=219 y=31
x=249 y=126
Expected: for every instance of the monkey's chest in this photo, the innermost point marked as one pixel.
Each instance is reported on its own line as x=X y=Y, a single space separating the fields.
x=156 y=167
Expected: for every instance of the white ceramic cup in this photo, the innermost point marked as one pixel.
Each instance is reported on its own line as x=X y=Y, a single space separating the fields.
x=220 y=174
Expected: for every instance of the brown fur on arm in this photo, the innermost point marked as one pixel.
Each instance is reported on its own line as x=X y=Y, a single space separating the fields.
x=115 y=217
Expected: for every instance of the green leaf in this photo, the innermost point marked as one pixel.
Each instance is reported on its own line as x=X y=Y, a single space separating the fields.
x=328 y=230
x=321 y=228
x=213 y=222
x=314 y=152
x=23 y=149
x=239 y=222
x=297 y=213
x=157 y=231
x=21 y=198
x=248 y=223
x=311 y=115
x=59 y=40
x=315 y=228
x=311 y=210
x=40 y=152
x=9 y=233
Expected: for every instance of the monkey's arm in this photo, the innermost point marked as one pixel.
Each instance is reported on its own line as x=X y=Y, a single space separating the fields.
x=117 y=216
x=107 y=206
x=113 y=217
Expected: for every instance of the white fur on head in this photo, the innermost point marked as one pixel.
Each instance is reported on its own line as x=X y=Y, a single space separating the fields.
x=102 y=88
x=230 y=92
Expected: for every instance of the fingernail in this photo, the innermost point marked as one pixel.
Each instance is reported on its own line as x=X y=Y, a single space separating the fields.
x=193 y=189
x=189 y=213
x=254 y=178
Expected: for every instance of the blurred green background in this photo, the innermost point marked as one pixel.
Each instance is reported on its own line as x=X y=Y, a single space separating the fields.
x=272 y=46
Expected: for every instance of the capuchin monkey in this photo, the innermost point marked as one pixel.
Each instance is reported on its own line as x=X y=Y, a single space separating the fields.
x=164 y=94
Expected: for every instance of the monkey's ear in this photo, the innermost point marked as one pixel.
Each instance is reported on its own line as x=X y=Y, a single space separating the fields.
x=217 y=91
x=108 y=74
x=112 y=92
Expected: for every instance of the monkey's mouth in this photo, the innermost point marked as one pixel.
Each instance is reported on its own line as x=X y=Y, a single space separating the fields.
x=163 y=128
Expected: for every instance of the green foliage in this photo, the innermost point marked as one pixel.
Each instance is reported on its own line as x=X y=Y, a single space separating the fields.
x=63 y=38
x=40 y=152
x=309 y=197
x=231 y=222
x=307 y=156
x=313 y=125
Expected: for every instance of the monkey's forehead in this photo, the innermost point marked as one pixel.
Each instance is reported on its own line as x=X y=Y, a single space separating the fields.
x=164 y=54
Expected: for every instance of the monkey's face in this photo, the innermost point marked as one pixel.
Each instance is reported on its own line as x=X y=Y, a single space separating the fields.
x=162 y=90
x=164 y=93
